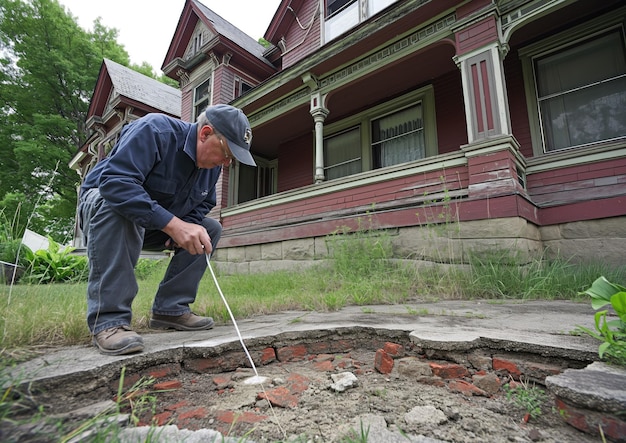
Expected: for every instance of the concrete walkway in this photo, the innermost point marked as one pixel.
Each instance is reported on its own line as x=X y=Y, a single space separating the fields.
x=547 y=328
x=530 y=324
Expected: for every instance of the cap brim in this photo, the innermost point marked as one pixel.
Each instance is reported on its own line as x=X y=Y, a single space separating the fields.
x=241 y=154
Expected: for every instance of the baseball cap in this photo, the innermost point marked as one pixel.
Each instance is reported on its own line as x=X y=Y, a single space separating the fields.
x=233 y=124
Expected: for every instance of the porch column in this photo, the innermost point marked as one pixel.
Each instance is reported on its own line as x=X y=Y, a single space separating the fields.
x=480 y=57
x=319 y=113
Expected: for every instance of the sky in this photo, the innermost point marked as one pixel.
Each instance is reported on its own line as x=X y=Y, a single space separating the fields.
x=146 y=27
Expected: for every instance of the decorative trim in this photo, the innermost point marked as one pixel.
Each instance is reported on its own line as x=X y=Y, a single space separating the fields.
x=381 y=56
x=301 y=96
x=183 y=77
x=512 y=19
x=365 y=64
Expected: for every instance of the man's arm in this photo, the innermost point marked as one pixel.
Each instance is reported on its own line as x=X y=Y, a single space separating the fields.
x=189 y=236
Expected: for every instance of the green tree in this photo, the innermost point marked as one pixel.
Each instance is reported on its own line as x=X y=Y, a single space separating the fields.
x=48 y=70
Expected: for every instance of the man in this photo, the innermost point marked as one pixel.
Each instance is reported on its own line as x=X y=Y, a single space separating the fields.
x=153 y=192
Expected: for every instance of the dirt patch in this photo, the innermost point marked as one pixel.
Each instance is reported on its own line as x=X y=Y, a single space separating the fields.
x=302 y=399
x=305 y=399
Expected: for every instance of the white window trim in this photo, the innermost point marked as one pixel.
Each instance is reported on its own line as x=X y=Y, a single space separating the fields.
x=551 y=44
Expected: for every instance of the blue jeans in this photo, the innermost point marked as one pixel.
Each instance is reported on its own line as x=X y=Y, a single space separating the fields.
x=114 y=244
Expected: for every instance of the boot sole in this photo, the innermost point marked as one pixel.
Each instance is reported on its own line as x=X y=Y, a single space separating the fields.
x=161 y=324
x=128 y=349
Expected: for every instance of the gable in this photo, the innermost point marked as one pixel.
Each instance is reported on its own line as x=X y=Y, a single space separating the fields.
x=200 y=36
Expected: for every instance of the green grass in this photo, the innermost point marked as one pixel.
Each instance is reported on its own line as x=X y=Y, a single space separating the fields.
x=35 y=316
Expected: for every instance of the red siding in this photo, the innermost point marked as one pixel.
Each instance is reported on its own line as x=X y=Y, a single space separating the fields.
x=186 y=103
x=295 y=167
x=584 y=182
x=393 y=193
x=476 y=36
x=302 y=42
x=451 y=129
x=471 y=7
x=520 y=124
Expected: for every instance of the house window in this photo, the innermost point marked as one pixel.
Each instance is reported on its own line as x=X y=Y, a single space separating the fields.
x=241 y=87
x=342 y=154
x=343 y=15
x=202 y=97
x=253 y=183
x=333 y=6
x=398 y=137
x=581 y=92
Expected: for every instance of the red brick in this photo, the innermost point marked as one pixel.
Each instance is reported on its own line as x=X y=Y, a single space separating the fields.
x=290 y=353
x=326 y=366
x=541 y=370
x=500 y=364
x=341 y=346
x=321 y=347
x=164 y=370
x=449 y=370
x=231 y=417
x=280 y=396
x=268 y=355
x=194 y=413
x=298 y=383
x=589 y=422
x=466 y=388
x=222 y=381
x=162 y=419
x=129 y=381
x=175 y=406
x=202 y=364
x=383 y=363
x=614 y=429
x=168 y=385
x=394 y=349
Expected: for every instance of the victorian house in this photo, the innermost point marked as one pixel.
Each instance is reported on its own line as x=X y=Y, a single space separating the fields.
x=459 y=127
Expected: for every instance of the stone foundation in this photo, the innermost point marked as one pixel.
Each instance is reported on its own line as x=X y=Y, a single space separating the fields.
x=450 y=244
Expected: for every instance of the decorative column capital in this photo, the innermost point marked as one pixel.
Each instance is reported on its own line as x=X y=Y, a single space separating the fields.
x=318 y=106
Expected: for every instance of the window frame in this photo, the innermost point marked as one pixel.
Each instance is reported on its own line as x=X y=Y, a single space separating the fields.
x=240 y=85
x=416 y=104
x=208 y=98
x=425 y=95
x=234 y=182
x=357 y=129
x=552 y=45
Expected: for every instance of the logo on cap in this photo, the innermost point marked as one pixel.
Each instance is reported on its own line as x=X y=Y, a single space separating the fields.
x=247 y=137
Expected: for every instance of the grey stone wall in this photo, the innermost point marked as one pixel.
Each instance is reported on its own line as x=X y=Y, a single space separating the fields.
x=450 y=244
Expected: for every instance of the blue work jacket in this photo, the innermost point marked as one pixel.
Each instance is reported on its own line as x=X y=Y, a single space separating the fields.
x=151 y=176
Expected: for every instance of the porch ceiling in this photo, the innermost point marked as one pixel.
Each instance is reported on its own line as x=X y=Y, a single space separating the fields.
x=381 y=85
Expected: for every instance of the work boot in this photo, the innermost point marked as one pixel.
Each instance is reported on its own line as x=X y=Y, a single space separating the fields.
x=118 y=340
x=186 y=322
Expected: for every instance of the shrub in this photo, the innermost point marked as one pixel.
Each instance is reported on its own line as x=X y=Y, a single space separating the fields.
x=55 y=264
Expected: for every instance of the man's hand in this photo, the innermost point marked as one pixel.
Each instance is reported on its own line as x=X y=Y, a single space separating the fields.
x=189 y=236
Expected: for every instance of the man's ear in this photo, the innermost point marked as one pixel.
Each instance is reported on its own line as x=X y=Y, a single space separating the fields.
x=205 y=131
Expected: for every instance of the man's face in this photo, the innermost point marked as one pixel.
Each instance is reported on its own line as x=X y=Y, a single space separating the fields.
x=212 y=149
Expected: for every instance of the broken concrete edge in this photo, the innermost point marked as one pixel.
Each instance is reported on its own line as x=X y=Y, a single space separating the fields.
x=599 y=386
x=565 y=348
x=108 y=369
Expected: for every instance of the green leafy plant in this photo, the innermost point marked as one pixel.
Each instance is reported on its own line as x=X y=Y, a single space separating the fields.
x=527 y=396
x=612 y=332
x=56 y=264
